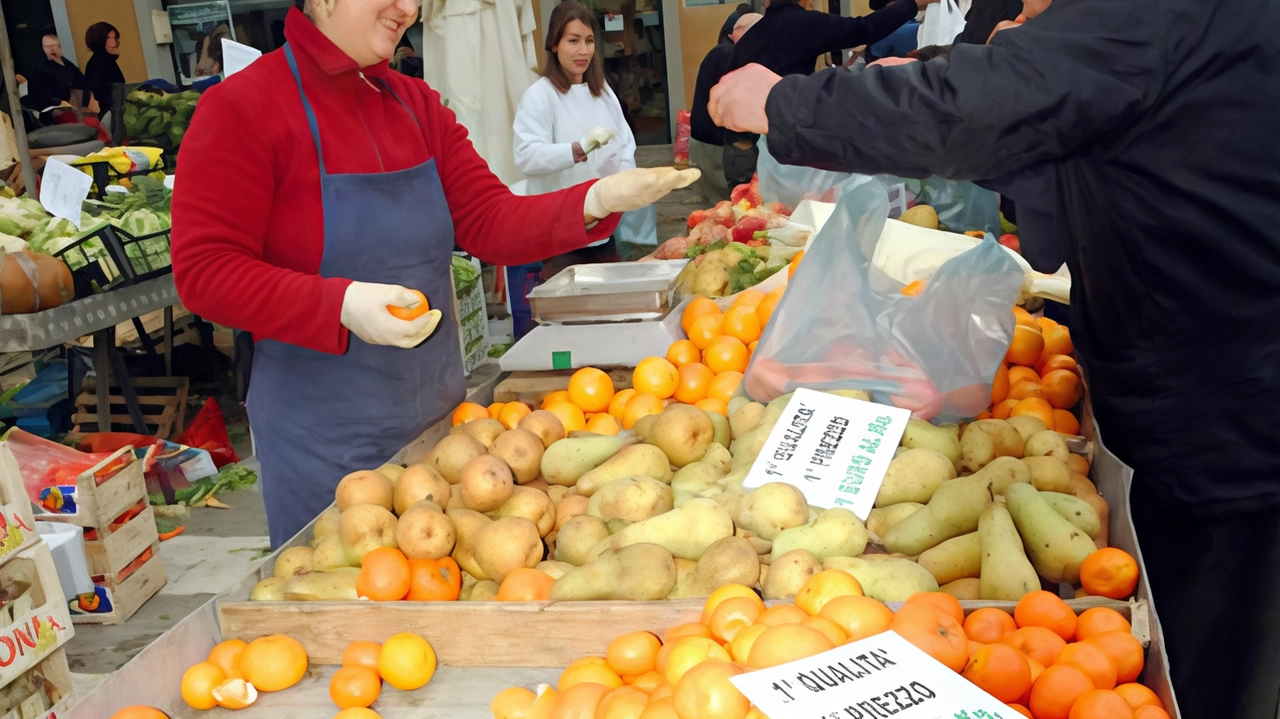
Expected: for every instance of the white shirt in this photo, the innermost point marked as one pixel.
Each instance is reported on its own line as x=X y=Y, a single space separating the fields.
x=547 y=124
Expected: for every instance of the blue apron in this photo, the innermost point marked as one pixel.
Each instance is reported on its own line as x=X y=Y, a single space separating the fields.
x=316 y=416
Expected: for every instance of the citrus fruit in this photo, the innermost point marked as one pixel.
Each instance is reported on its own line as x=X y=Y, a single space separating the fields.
x=604 y=424
x=1065 y=422
x=660 y=708
x=1150 y=712
x=705 y=692
x=560 y=395
x=829 y=628
x=697 y=308
x=1109 y=572
x=726 y=354
x=723 y=594
x=688 y=629
x=724 y=386
x=512 y=413
x=706 y=330
x=1000 y=385
x=235 y=694
x=495 y=409
x=733 y=615
x=1139 y=695
x=742 y=324
x=570 y=415
x=579 y=701
x=591 y=389
x=1093 y=661
x=1017 y=374
x=939 y=600
x=227 y=656
x=619 y=403
x=934 y=632
x=690 y=652
x=384 y=575
x=1101 y=704
x=1057 y=340
x=683 y=352
x=1021 y=710
x=694 y=380
x=1026 y=389
x=273 y=663
x=525 y=585
x=198 y=683
x=354 y=687
x=1061 y=388
x=622 y=703
x=1025 y=348
x=767 y=306
x=633 y=653
x=642 y=405
x=859 y=617
x=1057 y=689
x=1001 y=671
x=1045 y=609
x=1024 y=318
x=513 y=703
x=362 y=654
x=989 y=625
x=139 y=712
x=656 y=376
x=782 y=614
x=648 y=682
x=408 y=314
x=1125 y=649
x=794 y=264
x=1042 y=645
x=468 y=411
x=713 y=405
x=433 y=580
x=749 y=299
x=1034 y=407
x=407 y=661
x=786 y=643
x=1050 y=362
x=824 y=586
x=1002 y=410
x=1098 y=620
x=357 y=713
x=740 y=647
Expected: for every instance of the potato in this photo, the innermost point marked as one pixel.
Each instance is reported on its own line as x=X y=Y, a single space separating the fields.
x=637 y=460
x=1049 y=474
x=335 y=586
x=452 y=453
x=294 y=560
x=486 y=482
x=522 y=450
x=533 y=505
x=789 y=572
x=888 y=579
x=424 y=532
x=963 y=589
x=685 y=532
x=914 y=476
x=329 y=555
x=957 y=558
x=570 y=507
x=545 y=425
x=633 y=498
x=882 y=518
x=921 y=434
x=365 y=527
x=483 y=431
x=955 y=507
x=270 y=589
x=638 y=572
x=683 y=433
x=326 y=525
x=417 y=483
x=467 y=525
x=771 y=508
x=731 y=560
x=1056 y=547
x=1048 y=444
x=364 y=487
x=578 y=537
x=1027 y=426
x=506 y=544
x=745 y=418
x=987 y=439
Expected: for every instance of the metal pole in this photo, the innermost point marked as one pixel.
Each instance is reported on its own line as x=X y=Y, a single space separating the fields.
x=15 y=109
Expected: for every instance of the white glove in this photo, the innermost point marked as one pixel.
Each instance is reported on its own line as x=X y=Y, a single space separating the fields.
x=597 y=138
x=364 y=312
x=631 y=190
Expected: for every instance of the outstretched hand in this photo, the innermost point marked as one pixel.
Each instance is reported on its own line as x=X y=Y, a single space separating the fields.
x=738 y=101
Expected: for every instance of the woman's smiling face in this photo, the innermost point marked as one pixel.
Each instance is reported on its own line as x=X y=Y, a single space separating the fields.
x=367 y=30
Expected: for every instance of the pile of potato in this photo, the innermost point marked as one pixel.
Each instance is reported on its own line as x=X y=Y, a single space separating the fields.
x=660 y=512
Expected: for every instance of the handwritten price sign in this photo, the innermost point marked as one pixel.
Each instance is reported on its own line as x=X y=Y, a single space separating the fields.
x=836 y=450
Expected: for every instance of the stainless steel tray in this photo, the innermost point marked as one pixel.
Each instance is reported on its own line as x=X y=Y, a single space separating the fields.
x=607 y=292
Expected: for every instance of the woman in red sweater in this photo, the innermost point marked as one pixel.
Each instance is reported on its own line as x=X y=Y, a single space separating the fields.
x=319 y=189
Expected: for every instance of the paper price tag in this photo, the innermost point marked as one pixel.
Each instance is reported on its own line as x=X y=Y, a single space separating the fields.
x=834 y=449
x=236 y=57
x=63 y=190
x=874 y=678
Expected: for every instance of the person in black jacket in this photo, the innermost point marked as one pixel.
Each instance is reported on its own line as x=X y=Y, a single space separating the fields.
x=1160 y=134
x=102 y=71
x=55 y=77
x=789 y=40
x=706 y=138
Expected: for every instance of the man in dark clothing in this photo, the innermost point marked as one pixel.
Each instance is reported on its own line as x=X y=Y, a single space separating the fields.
x=982 y=18
x=789 y=40
x=55 y=77
x=1161 y=135
x=706 y=137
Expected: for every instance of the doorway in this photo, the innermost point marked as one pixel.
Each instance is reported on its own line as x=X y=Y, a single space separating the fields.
x=27 y=21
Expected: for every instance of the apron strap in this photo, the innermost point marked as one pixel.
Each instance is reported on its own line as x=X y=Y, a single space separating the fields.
x=306 y=104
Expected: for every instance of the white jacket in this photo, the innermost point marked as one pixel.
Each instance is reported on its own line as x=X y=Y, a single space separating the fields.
x=547 y=124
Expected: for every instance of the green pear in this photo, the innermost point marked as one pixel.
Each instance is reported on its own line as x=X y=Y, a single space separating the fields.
x=639 y=572
x=1057 y=547
x=1075 y=510
x=636 y=460
x=564 y=462
x=957 y=558
x=834 y=533
x=685 y=532
x=943 y=439
x=954 y=508
x=1006 y=572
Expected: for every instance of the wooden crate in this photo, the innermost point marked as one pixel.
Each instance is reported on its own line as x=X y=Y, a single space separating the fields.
x=49 y=684
x=104 y=492
x=37 y=621
x=163 y=401
x=532 y=387
x=118 y=596
x=112 y=550
x=17 y=523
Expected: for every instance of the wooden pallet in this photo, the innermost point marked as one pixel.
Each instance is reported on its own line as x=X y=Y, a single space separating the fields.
x=121 y=594
x=36 y=621
x=163 y=401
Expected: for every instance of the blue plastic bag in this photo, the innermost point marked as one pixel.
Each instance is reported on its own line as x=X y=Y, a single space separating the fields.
x=934 y=354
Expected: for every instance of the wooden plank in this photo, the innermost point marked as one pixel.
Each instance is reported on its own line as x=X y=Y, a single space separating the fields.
x=112 y=553
x=532 y=387
x=15 y=508
x=98 y=505
x=129 y=595
x=39 y=609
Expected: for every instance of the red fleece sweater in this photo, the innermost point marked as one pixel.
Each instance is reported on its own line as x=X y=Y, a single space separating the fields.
x=248 y=225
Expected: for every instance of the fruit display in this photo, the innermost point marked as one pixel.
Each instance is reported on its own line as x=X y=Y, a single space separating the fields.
x=1043 y=660
x=1040 y=377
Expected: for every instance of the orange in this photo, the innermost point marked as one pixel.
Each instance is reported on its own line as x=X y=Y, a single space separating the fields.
x=570 y=415
x=642 y=405
x=743 y=324
x=699 y=307
x=1139 y=696
x=733 y=615
x=656 y=376
x=1149 y=713
x=357 y=713
x=706 y=330
x=495 y=409
x=829 y=628
x=1026 y=347
x=579 y=701
x=726 y=354
x=407 y=661
x=354 y=687
x=525 y=585
x=1026 y=389
x=1021 y=710
x=782 y=614
x=1042 y=645
x=1046 y=609
x=1051 y=362
x=1017 y=374
x=649 y=682
x=1000 y=385
x=619 y=403
x=433 y=580
x=705 y=692
x=468 y=411
x=588 y=670
x=408 y=314
x=1098 y=620
x=725 y=593
x=660 y=709
x=1057 y=690
x=512 y=413
x=824 y=586
x=753 y=345
x=749 y=299
x=633 y=653
x=1002 y=410
x=683 y=352
x=795 y=263
x=139 y=712
x=362 y=654
x=235 y=694
x=1057 y=340
x=787 y=643
x=1001 y=671
x=273 y=663
x=1109 y=572
x=688 y=629
x=934 y=632
x=1024 y=318
x=689 y=653
x=560 y=395
x=622 y=703
x=768 y=305
x=724 y=386
x=1092 y=660
x=1125 y=649
x=695 y=378
x=1061 y=388
x=604 y=424
x=227 y=656
x=198 y=683
x=914 y=289
x=714 y=405
x=591 y=389
x=1101 y=704
x=513 y=703
x=385 y=575
x=1033 y=407
x=1065 y=422
x=740 y=647
x=939 y=600
x=858 y=617
x=989 y=625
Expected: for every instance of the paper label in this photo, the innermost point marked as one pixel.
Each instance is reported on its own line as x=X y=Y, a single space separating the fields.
x=63 y=190
x=874 y=678
x=236 y=57
x=834 y=449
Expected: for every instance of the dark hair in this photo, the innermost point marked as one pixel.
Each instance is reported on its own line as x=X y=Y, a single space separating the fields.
x=565 y=13
x=96 y=36
x=744 y=8
x=929 y=52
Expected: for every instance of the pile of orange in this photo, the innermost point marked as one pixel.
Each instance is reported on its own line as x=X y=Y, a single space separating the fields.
x=236 y=671
x=1039 y=376
x=387 y=575
x=1044 y=661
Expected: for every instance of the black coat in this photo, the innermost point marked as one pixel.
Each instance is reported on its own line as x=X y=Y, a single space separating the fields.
x=701 y=127
x=53 y=83
x=101 y=74
x=1160 y=128
x=789 y=39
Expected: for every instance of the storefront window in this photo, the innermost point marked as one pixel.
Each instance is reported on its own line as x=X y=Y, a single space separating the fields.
x=197 y=46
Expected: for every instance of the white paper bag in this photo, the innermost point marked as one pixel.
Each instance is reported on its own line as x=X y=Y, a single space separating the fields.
x=943 y=21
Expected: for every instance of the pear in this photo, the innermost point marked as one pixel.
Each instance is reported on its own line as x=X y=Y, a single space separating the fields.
x=700 y=479
x=637 y=460
x=882 y=518
x=685 y=532
x=641 y=572
x=771 y=508
x=723 y=433
x=957 y=558
x=835 y=532
x=745 y=417
x=944 y=439
x=632 y=498
x=329 y=555
x=326 y=525
x=718 y=456
x=921 y=216
x=1006 y=572
x=683 y=433
x=1075 y=510
x=566 y=461
x=954 y=508
x=1057 y=547
x=270 y=589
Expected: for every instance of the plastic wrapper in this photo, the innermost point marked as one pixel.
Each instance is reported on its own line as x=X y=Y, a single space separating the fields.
x=791 y=184
x=961 y=206
x=682 y=138
x=934 y=354
x=50 y=470
x=208 y=431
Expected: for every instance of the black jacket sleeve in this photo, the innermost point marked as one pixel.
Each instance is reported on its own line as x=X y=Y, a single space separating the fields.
x=1039 y=92
x=828 y=33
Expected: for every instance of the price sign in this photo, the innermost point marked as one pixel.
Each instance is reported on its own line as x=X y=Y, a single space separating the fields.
x=834 y=449
x=63 y=190
x=874 y=678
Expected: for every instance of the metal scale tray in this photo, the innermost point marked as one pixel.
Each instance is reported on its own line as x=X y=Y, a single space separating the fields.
x=606 y=292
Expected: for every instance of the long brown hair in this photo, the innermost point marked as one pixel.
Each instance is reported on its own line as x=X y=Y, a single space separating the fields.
x=563 y=14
